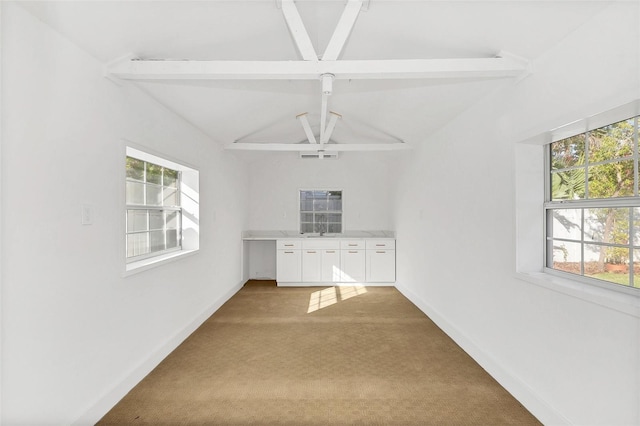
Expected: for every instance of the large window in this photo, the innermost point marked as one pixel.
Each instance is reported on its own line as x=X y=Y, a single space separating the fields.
x=154 y=213
x=320 y=211
x=593 y=205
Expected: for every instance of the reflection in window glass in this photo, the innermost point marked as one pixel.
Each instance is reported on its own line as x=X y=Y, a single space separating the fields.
x=568 y=184
x=568 y=152
x=567 y=256
x=612 y=141
x=611 y=180
x=567 y=224
x=607 y=263
x=607 y=225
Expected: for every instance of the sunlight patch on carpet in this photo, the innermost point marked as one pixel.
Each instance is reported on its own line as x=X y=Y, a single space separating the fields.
x=330 y=296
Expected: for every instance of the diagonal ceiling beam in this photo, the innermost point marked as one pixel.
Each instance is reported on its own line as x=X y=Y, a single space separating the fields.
x=342 y=30
x=312 y=70
x=298 y=31
x=307 y=128
x=330 y=126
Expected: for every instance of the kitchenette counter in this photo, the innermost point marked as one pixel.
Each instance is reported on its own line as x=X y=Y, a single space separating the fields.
x=278 y=235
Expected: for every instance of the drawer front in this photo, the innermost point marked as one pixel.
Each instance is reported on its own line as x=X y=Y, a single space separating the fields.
x=288 y=244
x=352 y=244
x=381 y=244
x=318 y=243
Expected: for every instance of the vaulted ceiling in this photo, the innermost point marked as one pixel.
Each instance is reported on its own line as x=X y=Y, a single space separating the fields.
x=265 y=110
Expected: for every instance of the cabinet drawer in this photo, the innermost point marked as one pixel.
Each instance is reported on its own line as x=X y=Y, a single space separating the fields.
x=351 y=244
x=288 y=244
x=381 y=244
x=318 y=243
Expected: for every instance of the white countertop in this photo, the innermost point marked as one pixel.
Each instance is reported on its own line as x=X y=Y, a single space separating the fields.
x=279 y=235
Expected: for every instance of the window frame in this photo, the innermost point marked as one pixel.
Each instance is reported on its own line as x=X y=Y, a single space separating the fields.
x=188 y=192
x=574 y=129
x=341 y=212
x=149 y=208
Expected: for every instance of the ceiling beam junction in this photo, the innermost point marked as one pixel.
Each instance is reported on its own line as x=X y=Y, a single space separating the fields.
x=325 y=69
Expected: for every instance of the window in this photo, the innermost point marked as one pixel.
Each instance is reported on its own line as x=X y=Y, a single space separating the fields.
x=162 y=210
x=320 y=211
x=592 y=204
x=154 y=214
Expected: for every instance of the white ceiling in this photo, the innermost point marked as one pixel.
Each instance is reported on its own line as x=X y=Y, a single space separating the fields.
x=265 y=111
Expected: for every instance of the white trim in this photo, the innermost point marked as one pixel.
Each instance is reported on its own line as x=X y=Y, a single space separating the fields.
x=152 y=262
x=334 y=147
x=452 y=68
x=124 y=384
x=593 y=293
x=540 y=408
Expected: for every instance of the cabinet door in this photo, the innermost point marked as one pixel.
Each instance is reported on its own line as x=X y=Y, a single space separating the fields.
x=381 y=266
x=352 y=266
x=330 y=266
x=311 y=266
x=288 y=266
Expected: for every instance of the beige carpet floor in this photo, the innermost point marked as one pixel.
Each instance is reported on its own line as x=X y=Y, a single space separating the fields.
x=319 y=356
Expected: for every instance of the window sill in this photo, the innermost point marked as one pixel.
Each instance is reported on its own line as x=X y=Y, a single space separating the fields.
x=153 y=262
x=619 y=301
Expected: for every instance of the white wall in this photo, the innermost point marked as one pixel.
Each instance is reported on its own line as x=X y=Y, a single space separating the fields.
x=568 y=359
x=276 y=179
x=76 y=333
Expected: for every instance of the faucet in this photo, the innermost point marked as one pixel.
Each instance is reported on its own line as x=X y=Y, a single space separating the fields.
x=322 y=225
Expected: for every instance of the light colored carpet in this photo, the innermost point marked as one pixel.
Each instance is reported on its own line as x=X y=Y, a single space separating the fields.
x=319 y=356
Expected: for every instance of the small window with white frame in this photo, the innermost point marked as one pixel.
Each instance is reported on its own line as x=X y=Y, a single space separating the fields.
x=320 y=211
x=592 y=204
x=161 y=200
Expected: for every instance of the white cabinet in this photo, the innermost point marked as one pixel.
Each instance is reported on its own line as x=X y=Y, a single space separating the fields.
x=328 y=260
x=320 y=260
x=353 y=265
x=311 y=265
x=381 y=261
x=331 y=271
x=288 y=261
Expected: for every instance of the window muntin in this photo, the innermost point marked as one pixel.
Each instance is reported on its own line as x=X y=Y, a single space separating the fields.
x=593 y=205
x=153 y=211
x=320 y=211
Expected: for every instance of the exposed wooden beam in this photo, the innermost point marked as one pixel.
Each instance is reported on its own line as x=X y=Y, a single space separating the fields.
x=312 y=70
x=330 y=126
x=307 y=128
x=342 y=30
x=298 y=31
x=283 y=147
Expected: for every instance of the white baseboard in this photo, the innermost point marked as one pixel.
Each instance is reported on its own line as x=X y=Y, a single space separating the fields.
x=513 y=384
x=111 y=398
